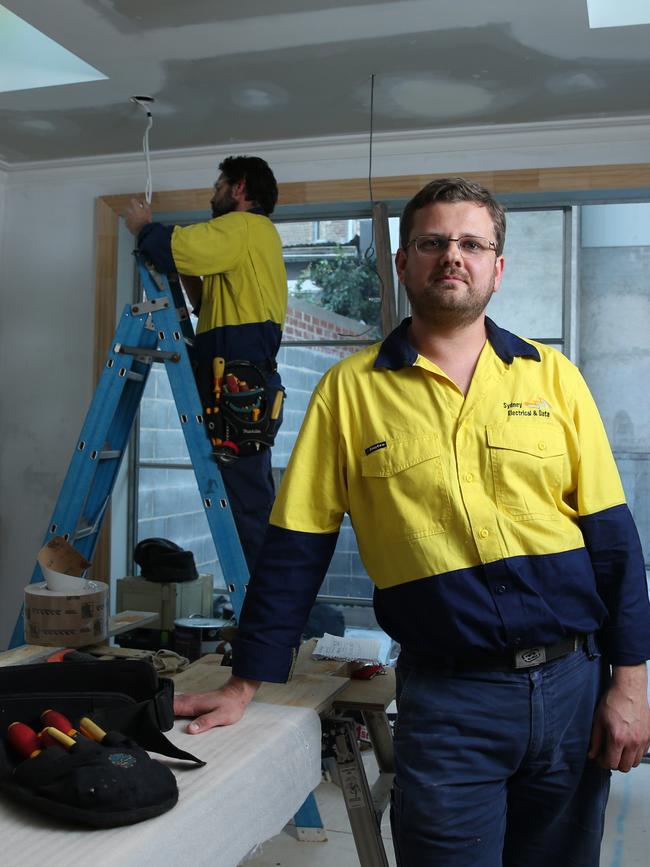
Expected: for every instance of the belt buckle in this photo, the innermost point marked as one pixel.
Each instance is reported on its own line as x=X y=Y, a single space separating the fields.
x=530 y=656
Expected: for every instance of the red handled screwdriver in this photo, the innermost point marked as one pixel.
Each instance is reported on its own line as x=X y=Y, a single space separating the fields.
x=58 y=737
x=58 y=721
x=24 y=740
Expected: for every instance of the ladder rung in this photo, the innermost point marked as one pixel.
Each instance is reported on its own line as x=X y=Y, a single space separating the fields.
x=109 y=454
x=136 y=377
x=144 y=354
x=83 y=532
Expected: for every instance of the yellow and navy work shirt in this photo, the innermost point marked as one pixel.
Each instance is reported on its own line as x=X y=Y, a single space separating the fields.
x=244 y=295
x=488 y=522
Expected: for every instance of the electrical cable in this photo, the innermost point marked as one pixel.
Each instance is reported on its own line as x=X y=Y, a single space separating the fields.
x=370 y=249
x=145 y=148
x=369 y=252
x=144 y=102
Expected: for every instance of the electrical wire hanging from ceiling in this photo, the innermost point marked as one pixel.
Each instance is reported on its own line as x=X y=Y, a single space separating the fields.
x=370 y=249
x=145 y=104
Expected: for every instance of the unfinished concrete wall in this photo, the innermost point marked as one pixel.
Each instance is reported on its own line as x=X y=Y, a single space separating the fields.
x=615 y=340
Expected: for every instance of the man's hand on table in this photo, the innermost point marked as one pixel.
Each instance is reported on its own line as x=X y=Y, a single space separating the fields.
x=219 y=707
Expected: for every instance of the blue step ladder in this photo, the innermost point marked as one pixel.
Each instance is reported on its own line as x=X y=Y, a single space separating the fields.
x=155 y=330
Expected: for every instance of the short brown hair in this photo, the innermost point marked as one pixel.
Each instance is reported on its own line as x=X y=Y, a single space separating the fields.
x=454 y=190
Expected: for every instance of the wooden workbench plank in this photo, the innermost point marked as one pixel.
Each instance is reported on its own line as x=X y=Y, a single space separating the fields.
x=26 y=653
x=315 y=691
x=126 y=620
x=374 y=694
x=117 y=624
x=306 y=664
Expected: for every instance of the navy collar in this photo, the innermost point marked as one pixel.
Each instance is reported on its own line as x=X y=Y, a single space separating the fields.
x=396 y=351
x=507 y=345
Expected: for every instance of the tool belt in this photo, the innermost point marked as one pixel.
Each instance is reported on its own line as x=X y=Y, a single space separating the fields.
x=246 y=413
x=103 y=783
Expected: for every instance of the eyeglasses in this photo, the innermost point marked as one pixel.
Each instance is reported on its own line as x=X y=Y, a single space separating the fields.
x=468 y=245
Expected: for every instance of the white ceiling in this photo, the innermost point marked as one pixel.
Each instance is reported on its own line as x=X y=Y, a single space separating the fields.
x=225 y=72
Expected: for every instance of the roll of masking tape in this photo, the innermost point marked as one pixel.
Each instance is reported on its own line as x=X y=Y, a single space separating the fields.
x=66 y=618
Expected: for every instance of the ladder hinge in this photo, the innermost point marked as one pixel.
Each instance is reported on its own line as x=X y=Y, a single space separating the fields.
x=149 y=306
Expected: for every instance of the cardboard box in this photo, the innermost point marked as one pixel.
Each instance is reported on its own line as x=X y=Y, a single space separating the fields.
x=169 y=600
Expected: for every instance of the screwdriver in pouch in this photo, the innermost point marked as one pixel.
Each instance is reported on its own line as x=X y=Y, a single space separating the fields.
x=91 y=730
x=57 y=737
x=53 y=718
x=24 y=740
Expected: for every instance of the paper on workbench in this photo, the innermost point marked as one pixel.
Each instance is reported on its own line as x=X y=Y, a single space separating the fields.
x=348 y=649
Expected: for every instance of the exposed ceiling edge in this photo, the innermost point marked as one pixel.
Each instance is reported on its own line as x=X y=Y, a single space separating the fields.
x=550 y=129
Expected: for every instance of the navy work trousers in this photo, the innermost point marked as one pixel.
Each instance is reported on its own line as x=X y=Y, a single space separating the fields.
x=492 y=768
x=249 y=484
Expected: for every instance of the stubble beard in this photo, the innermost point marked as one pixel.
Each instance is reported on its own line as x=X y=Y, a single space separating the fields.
x=224 y=206
x=442 y=304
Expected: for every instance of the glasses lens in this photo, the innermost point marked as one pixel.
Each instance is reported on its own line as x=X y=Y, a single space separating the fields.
x=431 y=244
x=471 y=245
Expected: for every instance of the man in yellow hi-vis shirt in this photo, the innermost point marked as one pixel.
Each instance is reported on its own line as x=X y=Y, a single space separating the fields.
x=490 y=515
x=233 y=271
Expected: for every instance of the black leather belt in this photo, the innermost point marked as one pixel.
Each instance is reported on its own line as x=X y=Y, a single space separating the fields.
x=507 y=660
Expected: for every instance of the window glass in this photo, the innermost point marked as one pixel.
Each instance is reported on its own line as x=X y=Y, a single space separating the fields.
x=614 y=264
x=169 y=505
x=530 y=299
x=334 y=290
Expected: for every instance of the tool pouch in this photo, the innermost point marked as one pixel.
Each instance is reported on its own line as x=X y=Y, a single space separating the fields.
x=244 y=421
x=105 y=784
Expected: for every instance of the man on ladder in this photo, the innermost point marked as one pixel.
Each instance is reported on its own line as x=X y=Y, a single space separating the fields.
x=232 y=269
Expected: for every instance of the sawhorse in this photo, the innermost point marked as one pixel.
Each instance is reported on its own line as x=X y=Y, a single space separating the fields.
x=365 y=805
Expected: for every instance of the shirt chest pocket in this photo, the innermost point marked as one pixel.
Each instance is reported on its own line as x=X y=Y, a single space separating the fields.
x=403 y=494
x=527 y=461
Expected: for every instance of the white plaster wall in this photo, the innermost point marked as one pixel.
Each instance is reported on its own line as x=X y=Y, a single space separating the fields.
x=47 y=280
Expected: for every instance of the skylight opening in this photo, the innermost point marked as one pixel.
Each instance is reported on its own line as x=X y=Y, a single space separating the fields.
x=618 y=13
x=29 y=58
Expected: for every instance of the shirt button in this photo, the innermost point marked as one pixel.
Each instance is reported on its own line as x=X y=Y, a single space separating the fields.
x=484 y=533
x=501 y=588
x=541 y=446
x=469 y=477
x=517 y=641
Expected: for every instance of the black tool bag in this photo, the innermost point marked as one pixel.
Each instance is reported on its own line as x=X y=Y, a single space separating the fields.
x=242 y=422
x=105 y=784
